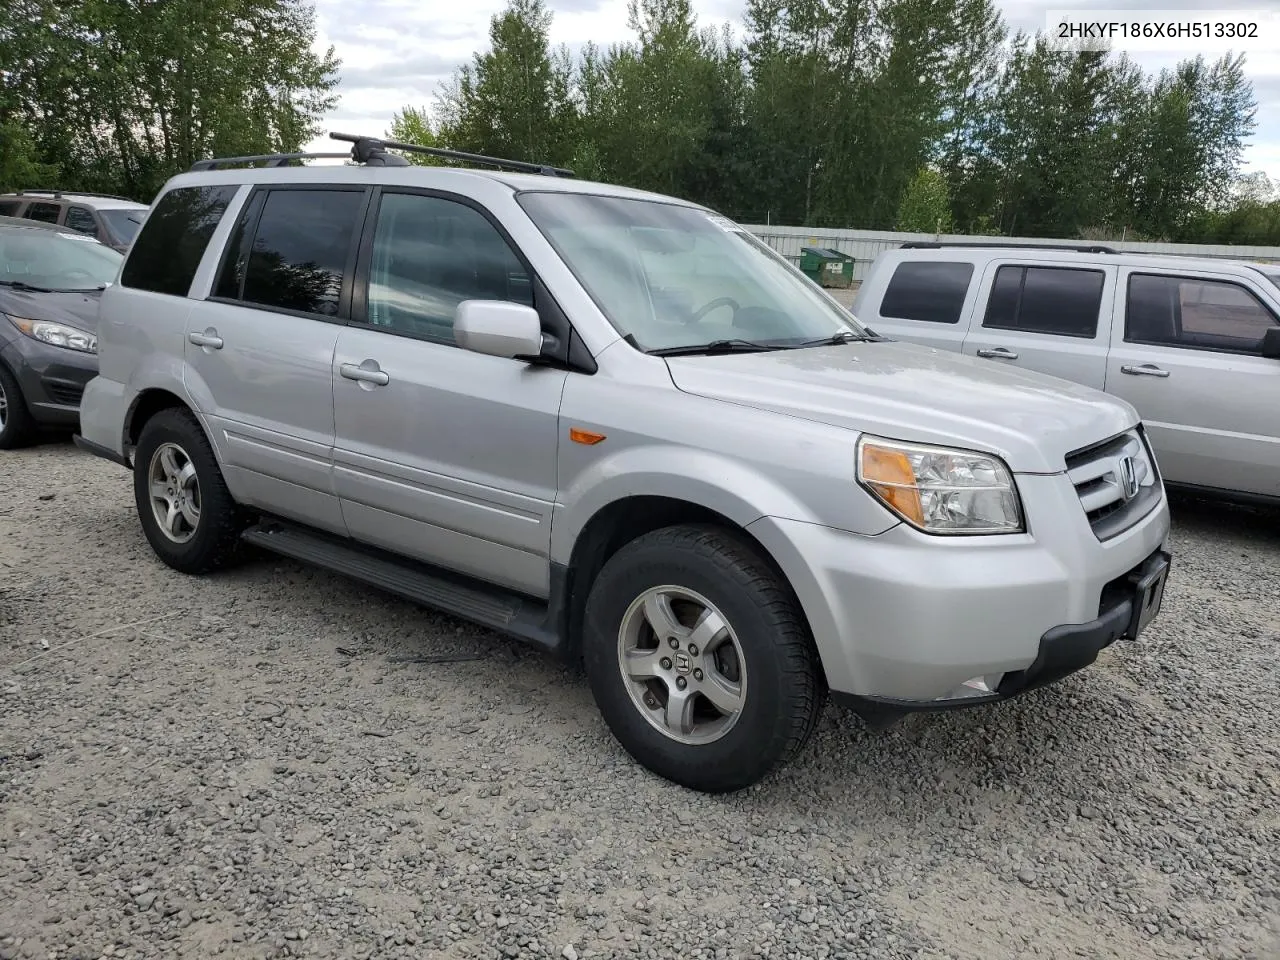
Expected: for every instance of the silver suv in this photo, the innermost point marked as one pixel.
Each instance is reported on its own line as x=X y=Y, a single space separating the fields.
x=621 y=428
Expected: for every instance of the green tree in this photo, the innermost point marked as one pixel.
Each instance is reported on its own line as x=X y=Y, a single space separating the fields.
x=413 y=125
x=925 y=206
x=122 y=94
x=514 y=100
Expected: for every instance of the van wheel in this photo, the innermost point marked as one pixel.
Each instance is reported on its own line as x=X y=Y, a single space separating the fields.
x=699 y=659
x=186 y=511
x=17 y=426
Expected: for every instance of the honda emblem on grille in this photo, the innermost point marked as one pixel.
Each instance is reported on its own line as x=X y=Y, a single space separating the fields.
x=1128 y=478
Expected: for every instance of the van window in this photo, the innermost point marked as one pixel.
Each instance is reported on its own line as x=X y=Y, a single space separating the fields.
x=168 y=250
x=928 y=290
x=80 y=219
x=1194 y=312
x=9 y=208
x=1063 y=301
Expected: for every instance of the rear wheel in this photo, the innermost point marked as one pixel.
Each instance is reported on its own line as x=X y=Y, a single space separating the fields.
x=187 y=514
x=17 y=426
x=699 y=659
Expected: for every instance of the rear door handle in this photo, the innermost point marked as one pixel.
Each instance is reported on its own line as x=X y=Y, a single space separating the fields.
x=367 y=371
x=998 y=353
x=208 y=339
x=1145 y=370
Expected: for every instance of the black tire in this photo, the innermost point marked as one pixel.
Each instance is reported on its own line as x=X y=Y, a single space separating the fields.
x=19 y=427
x=785 y=690
x=215 y=542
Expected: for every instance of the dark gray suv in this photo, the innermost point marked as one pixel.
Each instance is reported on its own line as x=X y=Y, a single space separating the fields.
x=50 y=282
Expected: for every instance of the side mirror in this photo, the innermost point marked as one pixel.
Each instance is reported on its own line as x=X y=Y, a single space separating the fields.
x=1271 y=344
x=498 y=328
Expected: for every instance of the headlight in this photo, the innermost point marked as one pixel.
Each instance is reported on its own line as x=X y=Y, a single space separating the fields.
x=57 y=334
x=941 y=490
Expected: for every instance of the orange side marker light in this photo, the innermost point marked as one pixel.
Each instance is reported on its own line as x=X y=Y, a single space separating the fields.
x=578 y=435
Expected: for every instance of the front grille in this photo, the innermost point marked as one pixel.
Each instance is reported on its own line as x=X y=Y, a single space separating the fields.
x=60 y=391
x=1117 y=482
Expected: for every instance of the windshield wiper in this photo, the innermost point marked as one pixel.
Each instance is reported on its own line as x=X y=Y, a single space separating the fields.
x=716 y=346
x=23 y=285
x=843 y=336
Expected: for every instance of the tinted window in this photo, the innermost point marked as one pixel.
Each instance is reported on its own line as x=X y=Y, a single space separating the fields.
x=1057 y=300
x=300 y=250
x=430 y=254
x=44 y=212
x=927 y=290
x=78 y=218
x=167 y=251
x=1191 y=312
x=8 y=208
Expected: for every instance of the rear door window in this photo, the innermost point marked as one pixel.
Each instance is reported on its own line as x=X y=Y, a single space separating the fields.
x=929 y=290
x=44 y=212
x=301 y=255
x=9 y=208
x=1062 y=301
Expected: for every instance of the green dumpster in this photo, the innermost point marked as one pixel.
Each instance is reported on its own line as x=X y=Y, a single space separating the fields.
x=827 y=267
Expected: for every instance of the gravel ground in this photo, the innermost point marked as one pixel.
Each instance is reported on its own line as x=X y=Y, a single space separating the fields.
x=278 y=762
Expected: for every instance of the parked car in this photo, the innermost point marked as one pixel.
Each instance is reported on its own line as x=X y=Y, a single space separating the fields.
x=50 y=282
x=112 y=220
x=619 y=427
x=1192 y=342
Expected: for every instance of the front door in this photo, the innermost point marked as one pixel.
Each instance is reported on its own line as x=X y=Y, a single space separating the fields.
x=442 y=454
x=1188 y=358
x=259 y=351
x=1045 y=318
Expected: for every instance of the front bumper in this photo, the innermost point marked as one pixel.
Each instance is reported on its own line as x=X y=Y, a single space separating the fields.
x=52 y=378
x=904 y=621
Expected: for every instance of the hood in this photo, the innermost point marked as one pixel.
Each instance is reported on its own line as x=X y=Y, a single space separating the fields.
x=917 y=393
x=78 y=309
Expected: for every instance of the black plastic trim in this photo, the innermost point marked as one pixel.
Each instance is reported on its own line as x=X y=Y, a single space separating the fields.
x=106 y=453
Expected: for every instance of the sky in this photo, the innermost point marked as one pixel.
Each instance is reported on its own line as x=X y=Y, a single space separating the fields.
x=397 y=52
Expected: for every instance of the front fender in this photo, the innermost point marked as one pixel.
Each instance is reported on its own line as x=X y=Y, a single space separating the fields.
x=733 y=488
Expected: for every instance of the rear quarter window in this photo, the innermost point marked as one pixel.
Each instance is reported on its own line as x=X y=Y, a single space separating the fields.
x=167 y=251
x=928 y=290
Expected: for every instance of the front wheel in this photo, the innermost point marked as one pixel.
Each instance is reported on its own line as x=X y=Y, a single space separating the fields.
x=17 y=428
x=187 y=514
x=699 y=659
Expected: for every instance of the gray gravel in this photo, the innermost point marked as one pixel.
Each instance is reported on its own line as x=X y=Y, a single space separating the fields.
x=278 y=762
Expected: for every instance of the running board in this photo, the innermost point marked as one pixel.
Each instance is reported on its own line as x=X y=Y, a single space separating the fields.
x=521 y=617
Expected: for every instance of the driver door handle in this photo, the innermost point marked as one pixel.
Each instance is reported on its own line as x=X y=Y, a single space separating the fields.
x=1145 y=370
x=208 y=339
x=997 y=353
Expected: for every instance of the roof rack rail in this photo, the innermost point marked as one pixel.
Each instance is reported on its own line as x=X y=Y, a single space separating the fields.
x=59 y=194
x=941 y=244
x=272 y=160
x=365 y=148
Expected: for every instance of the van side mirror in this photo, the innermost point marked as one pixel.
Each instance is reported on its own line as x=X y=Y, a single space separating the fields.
x=1271 y=344
x=498 y=328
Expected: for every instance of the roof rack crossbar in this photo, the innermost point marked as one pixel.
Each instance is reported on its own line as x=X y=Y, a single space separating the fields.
x=367 y=146
x=271 y=159
x=941 y=244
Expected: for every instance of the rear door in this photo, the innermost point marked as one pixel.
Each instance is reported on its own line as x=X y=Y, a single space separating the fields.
x=1045 y=316
x=925 y=301
x=260 y=348
x=1188 y=357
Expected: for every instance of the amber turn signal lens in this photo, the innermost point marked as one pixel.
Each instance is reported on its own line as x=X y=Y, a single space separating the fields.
x=889 y=474
x=578 y=435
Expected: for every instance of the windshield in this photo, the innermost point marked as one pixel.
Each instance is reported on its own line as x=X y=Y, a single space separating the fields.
x=52 y=260
x=122 y=223
x=674 y=276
